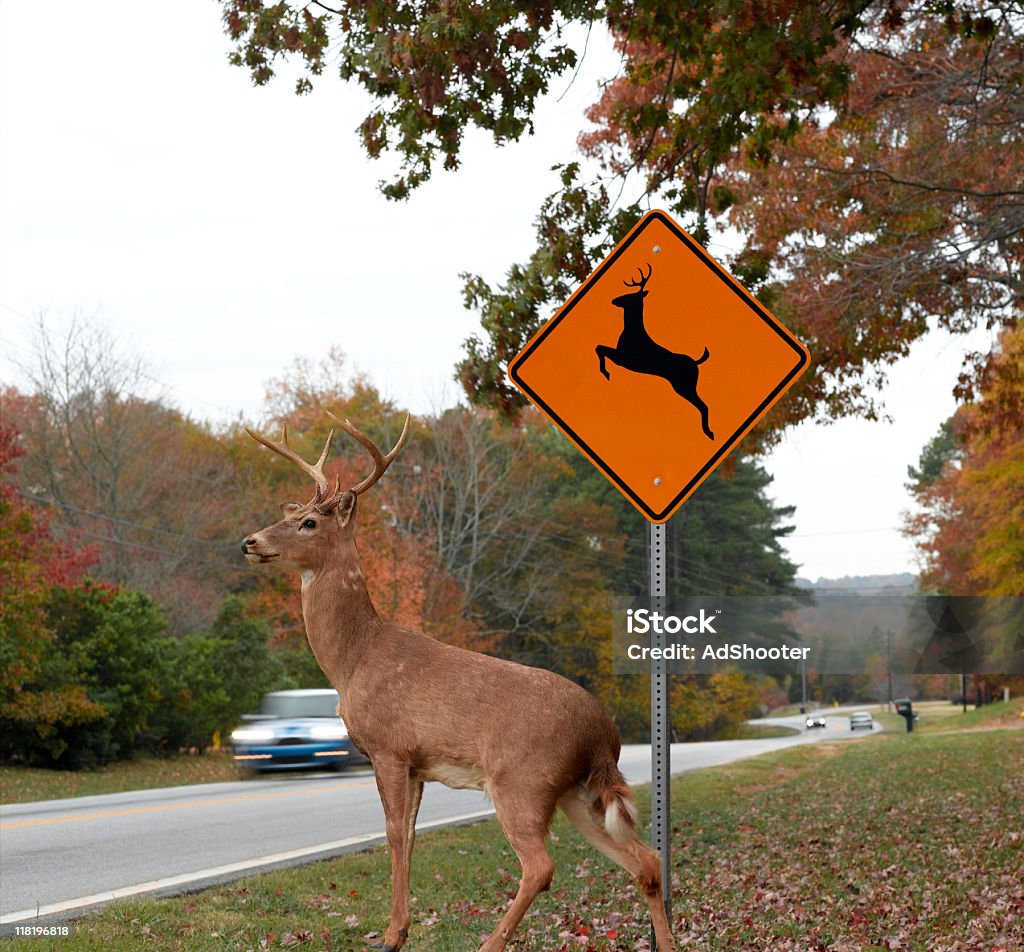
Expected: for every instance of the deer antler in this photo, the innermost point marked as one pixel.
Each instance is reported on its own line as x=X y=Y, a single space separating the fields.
x=316 y=470
x=380 y=461
x=644 y=278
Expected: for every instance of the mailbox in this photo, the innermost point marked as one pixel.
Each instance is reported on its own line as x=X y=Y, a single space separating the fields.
x=905 y=708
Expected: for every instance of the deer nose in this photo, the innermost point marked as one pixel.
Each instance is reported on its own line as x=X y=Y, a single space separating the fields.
x=245 y=545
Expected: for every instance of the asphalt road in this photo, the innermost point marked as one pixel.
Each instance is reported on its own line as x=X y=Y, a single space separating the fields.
x=60 y=857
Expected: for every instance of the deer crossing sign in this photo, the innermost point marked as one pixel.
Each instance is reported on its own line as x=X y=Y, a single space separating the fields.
x=658 y=365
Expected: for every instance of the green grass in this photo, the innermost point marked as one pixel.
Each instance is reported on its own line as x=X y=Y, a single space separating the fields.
x=897 y=841
x=26 y=785
x=906 y=841
x=939 y=716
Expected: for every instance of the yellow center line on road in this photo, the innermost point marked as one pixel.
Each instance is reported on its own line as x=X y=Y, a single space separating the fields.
x=162 y=807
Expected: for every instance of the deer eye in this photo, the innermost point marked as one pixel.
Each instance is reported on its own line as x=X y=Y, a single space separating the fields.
x=309 y=524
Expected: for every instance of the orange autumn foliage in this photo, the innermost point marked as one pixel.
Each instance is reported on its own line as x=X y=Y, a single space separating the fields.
x=971 y=528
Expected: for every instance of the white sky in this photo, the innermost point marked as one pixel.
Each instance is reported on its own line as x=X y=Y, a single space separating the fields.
x=221 y=230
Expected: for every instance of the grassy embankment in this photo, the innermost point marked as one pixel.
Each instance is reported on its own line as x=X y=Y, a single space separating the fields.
x=891 y=842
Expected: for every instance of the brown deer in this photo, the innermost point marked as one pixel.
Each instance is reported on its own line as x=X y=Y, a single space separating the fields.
x=636 y=351
x=424 y=710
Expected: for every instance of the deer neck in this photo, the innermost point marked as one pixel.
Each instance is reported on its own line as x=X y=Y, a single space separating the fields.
x=633 y=320
x=339 y=615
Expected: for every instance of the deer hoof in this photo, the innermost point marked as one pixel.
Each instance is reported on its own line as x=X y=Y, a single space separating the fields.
x=387 y=946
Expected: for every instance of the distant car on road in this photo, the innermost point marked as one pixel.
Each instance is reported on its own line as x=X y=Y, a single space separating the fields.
x=861 y=719
x=295 y=730
x=815 y=720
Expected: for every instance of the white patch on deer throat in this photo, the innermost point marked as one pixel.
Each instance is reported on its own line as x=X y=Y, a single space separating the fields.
x=307 y=577
x=461 y=778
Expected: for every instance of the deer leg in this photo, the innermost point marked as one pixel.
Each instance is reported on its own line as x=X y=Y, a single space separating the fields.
x=603 y=351
x=526 y=827
x=687 y=389
x=702 y=408
x=400 y=796
x=411 y=812
x=635 y=857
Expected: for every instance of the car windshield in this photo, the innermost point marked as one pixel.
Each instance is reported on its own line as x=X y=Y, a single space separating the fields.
x=300 y=705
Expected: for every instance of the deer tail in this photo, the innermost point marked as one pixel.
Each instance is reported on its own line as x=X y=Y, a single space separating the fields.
x=613 y=800
x=701 y=360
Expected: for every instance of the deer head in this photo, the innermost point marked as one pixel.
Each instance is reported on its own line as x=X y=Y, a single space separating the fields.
x=625 y=300
x=307 y=533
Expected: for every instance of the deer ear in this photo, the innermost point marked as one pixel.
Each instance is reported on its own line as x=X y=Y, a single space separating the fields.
x=289 y=507
x=346 y=508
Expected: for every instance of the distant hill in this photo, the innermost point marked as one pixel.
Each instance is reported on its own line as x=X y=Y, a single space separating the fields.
x=903 y=583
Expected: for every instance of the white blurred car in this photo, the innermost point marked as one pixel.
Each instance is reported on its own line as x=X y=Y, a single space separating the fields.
x=295 y=730
x=861 y=719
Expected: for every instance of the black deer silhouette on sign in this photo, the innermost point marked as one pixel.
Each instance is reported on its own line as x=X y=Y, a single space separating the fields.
x=637 y=352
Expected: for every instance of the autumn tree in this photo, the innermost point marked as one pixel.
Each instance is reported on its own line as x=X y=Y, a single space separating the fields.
x=123 y=469
x=711 y=707
x=870 y=152
x=970 y=527
x=903 y=210
x=37 y=701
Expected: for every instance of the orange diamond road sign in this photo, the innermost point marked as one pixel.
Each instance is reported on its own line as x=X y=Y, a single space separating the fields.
x=658 y=365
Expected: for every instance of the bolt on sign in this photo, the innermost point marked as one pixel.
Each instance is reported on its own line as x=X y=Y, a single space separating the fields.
x=658 y=365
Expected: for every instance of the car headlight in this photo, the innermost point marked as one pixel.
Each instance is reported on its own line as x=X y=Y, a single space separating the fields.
x=251 y=735
x=328 y=732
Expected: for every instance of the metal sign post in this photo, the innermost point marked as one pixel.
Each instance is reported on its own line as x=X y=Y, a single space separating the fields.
x=661 y=729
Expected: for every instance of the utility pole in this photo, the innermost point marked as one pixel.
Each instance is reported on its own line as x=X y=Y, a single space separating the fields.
x=888 y=703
